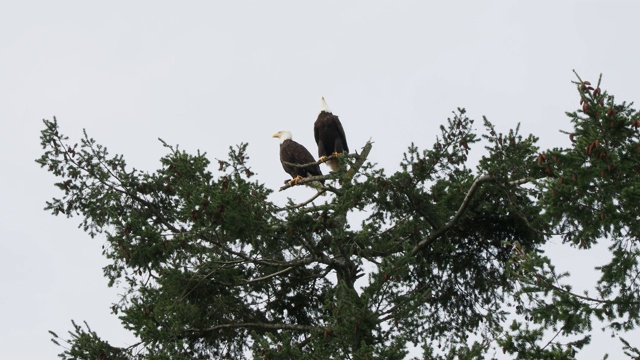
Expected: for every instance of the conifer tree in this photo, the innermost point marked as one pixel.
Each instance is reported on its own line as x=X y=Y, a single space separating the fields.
x=447 y=259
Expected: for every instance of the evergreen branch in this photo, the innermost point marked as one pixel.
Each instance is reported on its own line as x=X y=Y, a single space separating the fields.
x=154 y=210
x=463 y=207
x=130 y=348
x=110 y=185
x=390 y=313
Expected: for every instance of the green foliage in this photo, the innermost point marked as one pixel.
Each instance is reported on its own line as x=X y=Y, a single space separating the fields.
x=86 y=344
x=445 y=258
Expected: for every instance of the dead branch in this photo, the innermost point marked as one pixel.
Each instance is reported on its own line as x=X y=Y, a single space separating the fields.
x=463 y=207
x=353 y=169
x=360 y=159
x=262 y=326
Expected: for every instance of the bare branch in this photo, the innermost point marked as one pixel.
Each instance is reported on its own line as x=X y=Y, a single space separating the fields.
x=553 y=338
x=267 y=262
x=262 y=326
x=584 y=297
x=267 y=277
x=315 y=162
x=360 y=159
x=321 y=192
x=465 y=203
x=305 y=180
x=463 y=207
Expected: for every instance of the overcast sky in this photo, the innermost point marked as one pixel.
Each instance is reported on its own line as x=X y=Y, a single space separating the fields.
x=208 y=75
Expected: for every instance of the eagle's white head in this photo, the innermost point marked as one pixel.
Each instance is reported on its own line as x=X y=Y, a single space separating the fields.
x=283 y=135
x=324 y=107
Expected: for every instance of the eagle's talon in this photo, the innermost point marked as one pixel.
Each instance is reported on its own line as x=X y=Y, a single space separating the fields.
x=295 y=180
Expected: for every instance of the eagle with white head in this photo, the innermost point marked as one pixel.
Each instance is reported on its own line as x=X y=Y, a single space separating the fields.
x=329 y=136
x=291 y=154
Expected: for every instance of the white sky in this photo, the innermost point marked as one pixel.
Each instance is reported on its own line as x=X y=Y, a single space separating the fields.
x=208 y=75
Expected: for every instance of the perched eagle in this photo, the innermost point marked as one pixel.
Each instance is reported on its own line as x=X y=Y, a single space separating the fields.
x=293 y=153
x=329 y=136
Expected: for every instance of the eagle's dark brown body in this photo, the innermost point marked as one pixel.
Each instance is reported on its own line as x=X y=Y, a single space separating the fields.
x=294 y=153
x=329 y=135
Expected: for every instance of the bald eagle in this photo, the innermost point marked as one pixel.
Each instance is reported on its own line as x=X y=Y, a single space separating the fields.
x=293 y=153
x=329 y=136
